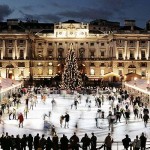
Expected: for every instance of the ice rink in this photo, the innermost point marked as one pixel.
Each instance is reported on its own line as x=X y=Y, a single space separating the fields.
x=82 y=116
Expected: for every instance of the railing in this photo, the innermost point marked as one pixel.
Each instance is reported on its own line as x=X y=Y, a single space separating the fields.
x=117 y=145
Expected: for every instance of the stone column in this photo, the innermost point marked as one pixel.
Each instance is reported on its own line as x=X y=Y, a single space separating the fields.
x=114 y=49
x=137 y=55
x=55 y=54
x=148 y=50
x=3 y=54
x=65 y=49
x=26 y=49
x=87 y=50
x=16 y=50
x=97 y=50
x=126 y=51
x=14 y=56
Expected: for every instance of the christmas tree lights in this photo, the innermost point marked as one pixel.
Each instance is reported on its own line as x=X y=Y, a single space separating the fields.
x=71 y=78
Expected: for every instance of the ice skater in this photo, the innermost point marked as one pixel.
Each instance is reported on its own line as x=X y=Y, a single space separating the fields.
x=67 y=118
x=21 y=119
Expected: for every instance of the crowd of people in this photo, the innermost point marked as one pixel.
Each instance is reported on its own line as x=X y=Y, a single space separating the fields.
x=122 y=104
x=37 y=142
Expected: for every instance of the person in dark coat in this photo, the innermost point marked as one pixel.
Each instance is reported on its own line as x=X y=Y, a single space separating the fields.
x=13 y=142
x=18 y=140
x=74 y=142
x=23 y=142
x=86 y=142
x=2 y=141
x=36 y=141
x=108 y=142
x=67 y=118
x=64 y=142
x=42 y=142
x=49 y=144
x=30 y=141
x=55 y=140
x=143 y=141
x=6 y=142
x=93 y=142
x=126 y=142
x=145 y=119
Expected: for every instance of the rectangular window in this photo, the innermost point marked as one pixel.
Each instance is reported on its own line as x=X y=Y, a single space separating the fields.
x=102 y=44
x=142 y=54
x=143 y=73
x=91 y=44
x=21 y=41
x=120 y=54
x=92 y=55
x=102 y=64
x=50 y=71
x=92 y=71
x=81 y=43
x=50 y=44
x=120 y=64
x=39 y=44
x=131 y=54
x=10 y=41
x=10 y=51
x=120 y=72
x=102 y=53
x=102 y=72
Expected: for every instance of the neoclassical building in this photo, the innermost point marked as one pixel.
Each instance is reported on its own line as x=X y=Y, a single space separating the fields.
x=38 y=50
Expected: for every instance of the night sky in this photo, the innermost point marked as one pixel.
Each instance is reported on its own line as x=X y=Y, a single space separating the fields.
x=51 y=11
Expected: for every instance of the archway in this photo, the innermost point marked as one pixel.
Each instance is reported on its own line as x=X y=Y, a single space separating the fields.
x=10 y=71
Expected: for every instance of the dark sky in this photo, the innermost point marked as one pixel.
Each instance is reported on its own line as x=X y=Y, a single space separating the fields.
x=80 y=10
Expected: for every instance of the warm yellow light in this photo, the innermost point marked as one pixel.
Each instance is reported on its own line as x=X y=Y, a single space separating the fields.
x=50 y=64
x=135 y=78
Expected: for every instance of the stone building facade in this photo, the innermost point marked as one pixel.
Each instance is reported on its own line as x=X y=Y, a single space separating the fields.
x=39 y=50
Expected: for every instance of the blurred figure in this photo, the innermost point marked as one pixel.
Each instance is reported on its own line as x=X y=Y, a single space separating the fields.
x=74 y=142
x=21 y=119
x=108 y=142
x=93 y=142
x=143 y=141
x=126 y=142
x=64 y=142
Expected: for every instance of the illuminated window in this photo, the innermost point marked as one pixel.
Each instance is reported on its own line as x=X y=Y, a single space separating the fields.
x=102 y=72
x=92 y=71
x=50 y=71
x=39 y=71
x=50 y=64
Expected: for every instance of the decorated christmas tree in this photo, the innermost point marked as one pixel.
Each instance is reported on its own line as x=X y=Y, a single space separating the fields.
x=71 y=78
